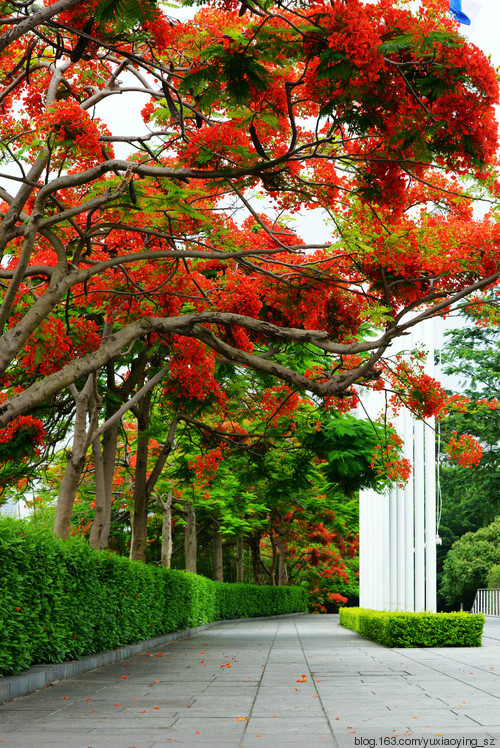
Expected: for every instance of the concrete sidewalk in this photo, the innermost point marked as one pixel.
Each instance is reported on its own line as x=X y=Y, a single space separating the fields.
x=303 y=681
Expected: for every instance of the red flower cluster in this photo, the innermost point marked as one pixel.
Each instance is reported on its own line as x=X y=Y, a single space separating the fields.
x=464 y=450
x=279 y=401
x=53 y=346
x=192 y=369
x=206 y=465
x=387 y=460
x=68 y=124
x=24 y=436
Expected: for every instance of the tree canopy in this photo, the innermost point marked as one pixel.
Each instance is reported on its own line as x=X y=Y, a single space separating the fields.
x=160 y=265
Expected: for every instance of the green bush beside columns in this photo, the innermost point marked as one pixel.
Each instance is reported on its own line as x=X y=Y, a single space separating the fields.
x=402 y=629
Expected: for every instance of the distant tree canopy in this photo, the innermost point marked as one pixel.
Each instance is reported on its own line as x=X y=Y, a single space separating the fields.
x=468 y=563
x=471 y=496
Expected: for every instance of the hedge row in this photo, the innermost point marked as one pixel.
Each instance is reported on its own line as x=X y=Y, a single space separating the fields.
x=63 y=600
x=399 y=629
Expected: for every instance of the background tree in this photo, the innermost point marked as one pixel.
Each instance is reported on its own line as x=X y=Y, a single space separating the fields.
x=471 y=496
x=468 y=563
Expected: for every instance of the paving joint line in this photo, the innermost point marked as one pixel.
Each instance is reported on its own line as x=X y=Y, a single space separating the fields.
x=245 y=729
x=476 y=667
x=452 y=677
x=332 y=733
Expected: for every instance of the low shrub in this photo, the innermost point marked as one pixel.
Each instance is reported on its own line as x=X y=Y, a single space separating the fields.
x=244 y=600
x=62 y=599
x=401 y=629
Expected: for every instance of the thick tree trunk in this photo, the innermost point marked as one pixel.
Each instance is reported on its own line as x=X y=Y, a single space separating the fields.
x=67 y=493
x=190 y=545
x=131 y=513
x=138 y=545
x=239 y=559
x=218 y=557
x=87 y=402
x=162 y=458
x=75 y=462
x=274 y=560
x=144 y=486
x=254 y=542
x=109 y=448
x=106 y=462
x=282 y=576
x=100 y=496
x=166 y=532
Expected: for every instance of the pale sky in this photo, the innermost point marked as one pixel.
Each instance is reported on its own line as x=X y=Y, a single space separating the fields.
x=485 y=27
x=483 y=31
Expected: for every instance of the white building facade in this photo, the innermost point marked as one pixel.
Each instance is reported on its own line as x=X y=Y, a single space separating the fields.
x=398 y=528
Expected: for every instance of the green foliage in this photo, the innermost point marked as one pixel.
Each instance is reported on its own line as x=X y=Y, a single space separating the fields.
x=348 y=445
x=239 y=67
x=400 y=629
x=62 y=599
x=493 y=578
x=128 y=12
x=468 y=563
x=471 y=496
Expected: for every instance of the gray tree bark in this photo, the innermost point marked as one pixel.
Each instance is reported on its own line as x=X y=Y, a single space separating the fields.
x=254 y=542
x=218 y=556
x=100 y=496
x=138 y=545
x=190 y=541
x=75 y=460
x=239 y=559
x=282 y=576
x=166 y=531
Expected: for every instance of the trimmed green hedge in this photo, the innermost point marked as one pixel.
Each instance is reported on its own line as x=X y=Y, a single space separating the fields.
x=400 y=629
x=62 y=599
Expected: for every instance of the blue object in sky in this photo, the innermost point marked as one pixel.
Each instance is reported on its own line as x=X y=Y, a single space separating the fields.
x=456 y=11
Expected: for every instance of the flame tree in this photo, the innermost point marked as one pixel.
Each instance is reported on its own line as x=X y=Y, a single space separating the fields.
x=155 y=266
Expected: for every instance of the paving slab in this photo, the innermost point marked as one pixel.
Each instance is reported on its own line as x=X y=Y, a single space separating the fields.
x=301 y=681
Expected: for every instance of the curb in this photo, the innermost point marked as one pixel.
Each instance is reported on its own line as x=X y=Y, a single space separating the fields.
x=41 y=676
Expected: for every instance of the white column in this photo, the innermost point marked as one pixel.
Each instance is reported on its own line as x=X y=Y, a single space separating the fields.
x=378 y=567
x=385 y=577
x=430 y=519
x=364 y=550
x=409 y=534
x=393 y=549
x=400 y=559
x=419 y=508
x=398 y=529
